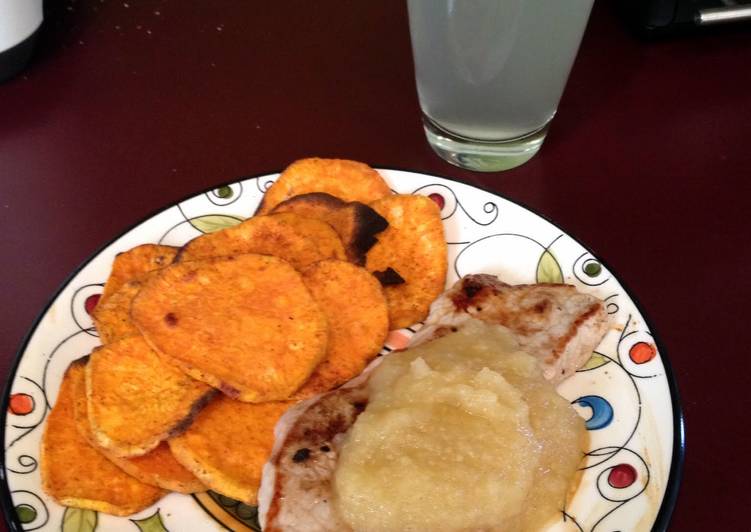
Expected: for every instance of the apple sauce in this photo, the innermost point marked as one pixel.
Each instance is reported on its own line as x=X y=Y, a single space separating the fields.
x=461 y=433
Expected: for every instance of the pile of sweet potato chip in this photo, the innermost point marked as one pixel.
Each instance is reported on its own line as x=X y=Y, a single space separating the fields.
x=205 y=347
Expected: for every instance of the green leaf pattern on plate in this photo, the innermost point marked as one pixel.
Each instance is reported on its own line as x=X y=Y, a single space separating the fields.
x=78 y=520
x=153 y=523
x=548 y=269
x=210 y=223
x=595 y=361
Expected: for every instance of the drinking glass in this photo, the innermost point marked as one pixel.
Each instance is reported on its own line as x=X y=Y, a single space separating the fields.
x=490 y=74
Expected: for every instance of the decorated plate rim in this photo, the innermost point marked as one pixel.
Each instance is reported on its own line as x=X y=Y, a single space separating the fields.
x=672 y=488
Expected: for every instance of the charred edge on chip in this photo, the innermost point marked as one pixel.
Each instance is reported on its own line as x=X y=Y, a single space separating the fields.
x=320 y=198
x=230 y=391
x=81 y=361
x=389 y=277
x=180 y=252
x=195 y=408
x=368 y=223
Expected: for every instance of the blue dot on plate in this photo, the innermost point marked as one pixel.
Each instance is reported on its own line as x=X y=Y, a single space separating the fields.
x=602 y=412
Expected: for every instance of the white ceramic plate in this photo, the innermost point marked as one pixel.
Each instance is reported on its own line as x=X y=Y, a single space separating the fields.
x=626 y=392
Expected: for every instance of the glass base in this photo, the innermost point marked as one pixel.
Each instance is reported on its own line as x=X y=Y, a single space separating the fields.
x=483 y=156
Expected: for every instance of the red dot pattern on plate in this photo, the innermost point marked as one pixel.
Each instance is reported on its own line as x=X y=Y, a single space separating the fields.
x=438 y=199
x=622 y=476
x=21 y=404
x=90 y=303
x=642 y=352
x=397 y=340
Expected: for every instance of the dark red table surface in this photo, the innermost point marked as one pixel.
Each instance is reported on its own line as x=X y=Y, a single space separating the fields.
x=130 y=106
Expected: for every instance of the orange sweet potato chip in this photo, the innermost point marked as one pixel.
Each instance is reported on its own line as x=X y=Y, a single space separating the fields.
x=356 y=310
x=160 y=468
x=414 y=247
x=348 y=180
x=112 y=316
x=246 y=324
x=76 y=474
x=228 y=444
x=156 y=468
x=299 y=241
x=318 y=231
x=136 y=399
x=356 y=224
x=133 y=263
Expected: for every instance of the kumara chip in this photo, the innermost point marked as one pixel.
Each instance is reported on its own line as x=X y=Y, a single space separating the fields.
x=160 y=468
x=280 y=236
x=356 y=224
x=348 y=180
x=76 y=474
x=321 y=233
x=358 y=318
x=156 y=468
x=228 y=444
x=415 y=248
x=135 y=262
x=136 y=399
x=112 y=316
x=246 y=324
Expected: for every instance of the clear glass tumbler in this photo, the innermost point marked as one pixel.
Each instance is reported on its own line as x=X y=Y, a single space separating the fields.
x=490 y=74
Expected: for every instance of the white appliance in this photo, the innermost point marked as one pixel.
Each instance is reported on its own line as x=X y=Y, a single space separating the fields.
x=20 y=21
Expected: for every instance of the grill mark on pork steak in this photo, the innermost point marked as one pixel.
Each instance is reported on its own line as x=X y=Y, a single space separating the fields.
x=560 y=346
x=320 y=426
x=554 y=322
